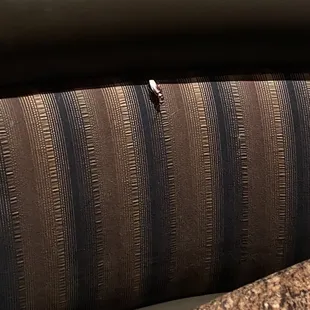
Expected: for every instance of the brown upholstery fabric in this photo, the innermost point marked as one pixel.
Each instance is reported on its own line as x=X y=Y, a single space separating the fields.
x=286 y=289
x=108 y=204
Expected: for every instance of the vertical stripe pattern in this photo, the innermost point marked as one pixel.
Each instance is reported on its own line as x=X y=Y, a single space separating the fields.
x=106 y=203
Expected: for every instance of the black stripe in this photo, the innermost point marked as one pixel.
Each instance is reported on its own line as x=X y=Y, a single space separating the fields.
x=158 y=218
x=82 y=201
x=302 y=164
x=9 y=294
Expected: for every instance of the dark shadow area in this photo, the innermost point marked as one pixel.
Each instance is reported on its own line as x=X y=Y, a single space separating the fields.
x=90 y=63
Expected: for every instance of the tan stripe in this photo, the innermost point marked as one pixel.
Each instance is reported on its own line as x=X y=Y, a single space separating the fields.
x=52 y=202
x=279 y=119
x=241 y=155
x=84 y=108
x=9 y=120
x=216 y=177
x=195 y=194
x=205 y=184
x=175 y=115
x=134 y=201
x=128 y=202
x=141 y=188
x=108 y=246
x=258 y=171
x=88 y=104
x=174 y=105
x=141 y=242
x=41 y=238
x=274 y=168
x=166 y=120
x=63 y=214
x=288 y=175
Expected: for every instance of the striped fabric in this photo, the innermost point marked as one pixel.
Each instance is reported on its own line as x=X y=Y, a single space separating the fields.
x=107 y=204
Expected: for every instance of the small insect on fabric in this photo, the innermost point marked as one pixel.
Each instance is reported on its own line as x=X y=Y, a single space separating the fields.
x=156 y=89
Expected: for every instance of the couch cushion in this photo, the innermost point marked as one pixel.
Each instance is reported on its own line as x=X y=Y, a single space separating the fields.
x=107 y=203
x=183 y=304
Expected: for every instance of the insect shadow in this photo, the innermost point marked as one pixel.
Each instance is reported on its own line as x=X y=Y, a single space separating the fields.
x=155 y=100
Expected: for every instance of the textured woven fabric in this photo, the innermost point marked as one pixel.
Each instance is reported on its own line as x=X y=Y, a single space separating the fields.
x=108 y=204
